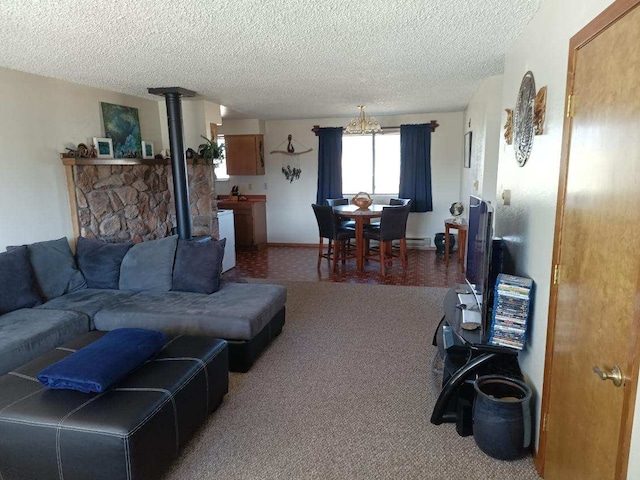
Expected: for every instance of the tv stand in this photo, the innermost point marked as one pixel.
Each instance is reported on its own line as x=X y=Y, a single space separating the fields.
x=468 y=354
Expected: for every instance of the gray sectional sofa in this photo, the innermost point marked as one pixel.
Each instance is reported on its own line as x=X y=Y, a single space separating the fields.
x=61 y=306
x=51 y=306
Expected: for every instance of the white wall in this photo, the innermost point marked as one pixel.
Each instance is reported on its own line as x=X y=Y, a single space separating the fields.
x=528 y=224
x=289 y=215
x=242 y=126
x=482 y=118
x=38 y=119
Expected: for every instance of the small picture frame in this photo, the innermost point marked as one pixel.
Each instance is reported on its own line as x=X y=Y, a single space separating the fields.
x=104 y=147
x=467 y=150
x=147 y=150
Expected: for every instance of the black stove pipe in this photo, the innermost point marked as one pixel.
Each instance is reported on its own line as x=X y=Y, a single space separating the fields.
x=178 y=161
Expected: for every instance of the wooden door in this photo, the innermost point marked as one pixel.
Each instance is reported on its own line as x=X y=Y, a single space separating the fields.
x=594 y=315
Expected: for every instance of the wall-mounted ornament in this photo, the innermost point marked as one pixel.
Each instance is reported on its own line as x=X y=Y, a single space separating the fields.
x=290 y=173
x=290 y=149
x=508 y=127
x=540 y=110
x=291 y=168
x=523 y=130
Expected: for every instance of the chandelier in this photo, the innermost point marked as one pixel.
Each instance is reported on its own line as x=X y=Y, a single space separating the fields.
x=363 y=124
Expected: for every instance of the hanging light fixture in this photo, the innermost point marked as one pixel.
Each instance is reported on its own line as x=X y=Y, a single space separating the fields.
x=363 y=123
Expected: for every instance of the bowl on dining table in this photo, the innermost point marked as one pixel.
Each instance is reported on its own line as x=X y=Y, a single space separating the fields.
x=362 y=200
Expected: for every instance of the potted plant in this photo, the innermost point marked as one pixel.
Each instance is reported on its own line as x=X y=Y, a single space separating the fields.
x=211 y=150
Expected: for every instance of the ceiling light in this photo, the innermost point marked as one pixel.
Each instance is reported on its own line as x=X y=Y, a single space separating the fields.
x=363 y=124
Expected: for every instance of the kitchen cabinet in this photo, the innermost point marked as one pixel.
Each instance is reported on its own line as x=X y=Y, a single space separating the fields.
x=244 y=154
x=250 y=222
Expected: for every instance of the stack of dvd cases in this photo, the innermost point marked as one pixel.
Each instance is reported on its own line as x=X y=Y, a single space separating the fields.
x=510 y=311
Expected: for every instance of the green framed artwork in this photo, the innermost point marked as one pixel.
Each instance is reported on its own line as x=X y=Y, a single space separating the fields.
x=122 y=125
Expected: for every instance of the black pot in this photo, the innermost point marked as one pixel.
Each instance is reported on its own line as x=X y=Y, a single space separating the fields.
x=502 y=417
x=439 y=240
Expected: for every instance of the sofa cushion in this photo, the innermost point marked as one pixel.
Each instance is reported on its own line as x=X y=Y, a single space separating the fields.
x=100 y=261
x=17 y=283
x=238 y=311
x=148 y=266
x=30 y=332
x=198 y=266
x=54 y=268
x=88 y=301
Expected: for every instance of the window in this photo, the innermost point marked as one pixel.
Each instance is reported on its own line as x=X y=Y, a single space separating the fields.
x=221 y=170
x=371 y=163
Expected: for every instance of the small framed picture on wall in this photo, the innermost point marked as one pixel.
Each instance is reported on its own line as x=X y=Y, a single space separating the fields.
x=104 y=147
x=147 y=150
x=467 y=150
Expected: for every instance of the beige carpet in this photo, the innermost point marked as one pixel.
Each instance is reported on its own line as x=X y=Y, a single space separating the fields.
x=345 y=392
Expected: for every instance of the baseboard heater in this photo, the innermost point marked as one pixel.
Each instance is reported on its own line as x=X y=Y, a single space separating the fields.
x=419 y=242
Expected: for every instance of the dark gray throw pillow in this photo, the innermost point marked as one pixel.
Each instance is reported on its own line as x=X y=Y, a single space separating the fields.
x=198 y=266
x=100 y=262
x=148 y=266
x=17 y=283
x=54 y=268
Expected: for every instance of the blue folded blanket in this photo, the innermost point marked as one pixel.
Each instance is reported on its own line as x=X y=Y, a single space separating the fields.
x=100 y=365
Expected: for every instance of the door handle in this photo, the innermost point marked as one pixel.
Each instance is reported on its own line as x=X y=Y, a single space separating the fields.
x=615 y=375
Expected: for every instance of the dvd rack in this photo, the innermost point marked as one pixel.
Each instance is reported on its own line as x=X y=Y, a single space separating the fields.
x=511 y=305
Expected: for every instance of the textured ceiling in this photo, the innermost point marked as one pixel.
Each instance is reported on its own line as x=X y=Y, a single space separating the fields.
x=271 y=59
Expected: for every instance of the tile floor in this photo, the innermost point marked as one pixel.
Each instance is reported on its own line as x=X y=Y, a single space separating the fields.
x=426 y=268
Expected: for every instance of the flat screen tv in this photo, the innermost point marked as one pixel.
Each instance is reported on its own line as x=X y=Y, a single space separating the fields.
x=479 y=248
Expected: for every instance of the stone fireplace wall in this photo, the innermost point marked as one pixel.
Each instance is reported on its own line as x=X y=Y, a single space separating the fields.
x=135 y=202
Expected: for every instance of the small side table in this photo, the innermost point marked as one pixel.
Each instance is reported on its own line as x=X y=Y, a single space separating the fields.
x=462 y=240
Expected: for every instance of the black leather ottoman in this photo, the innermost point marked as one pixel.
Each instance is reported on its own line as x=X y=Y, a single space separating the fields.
x=131 y=432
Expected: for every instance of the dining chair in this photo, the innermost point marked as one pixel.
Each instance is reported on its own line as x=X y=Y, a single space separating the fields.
x=393 y=202
x=393 y=226
x=329 y=228
x=332 y=202
x=399 y=201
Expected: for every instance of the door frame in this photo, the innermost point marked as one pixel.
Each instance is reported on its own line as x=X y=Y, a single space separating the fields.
x=599 y=24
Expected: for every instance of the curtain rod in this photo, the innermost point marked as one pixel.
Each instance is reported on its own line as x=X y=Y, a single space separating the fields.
x=434 y=125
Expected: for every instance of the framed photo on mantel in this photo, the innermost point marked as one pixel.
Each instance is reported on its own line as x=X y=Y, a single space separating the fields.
x=467 y=150
x=104 y=147
x=147 y=150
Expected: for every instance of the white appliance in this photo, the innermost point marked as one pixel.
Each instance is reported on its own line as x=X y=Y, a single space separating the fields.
x=225 y=223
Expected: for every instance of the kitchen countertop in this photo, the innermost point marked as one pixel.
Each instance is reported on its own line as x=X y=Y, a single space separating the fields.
x=250 y=198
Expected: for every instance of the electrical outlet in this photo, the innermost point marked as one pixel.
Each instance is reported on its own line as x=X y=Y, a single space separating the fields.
x=250 y=187
x=506 y=197
x=264 y=187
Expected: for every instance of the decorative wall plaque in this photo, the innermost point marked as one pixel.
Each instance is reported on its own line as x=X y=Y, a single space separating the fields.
x=508 y=127
x=523 y=128
x=540 y=110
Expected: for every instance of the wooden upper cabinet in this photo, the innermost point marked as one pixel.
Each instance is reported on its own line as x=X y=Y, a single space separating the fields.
x=244 y=154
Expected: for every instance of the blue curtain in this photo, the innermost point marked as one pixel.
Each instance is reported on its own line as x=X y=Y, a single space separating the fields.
x=329 y=164
x=415 y=166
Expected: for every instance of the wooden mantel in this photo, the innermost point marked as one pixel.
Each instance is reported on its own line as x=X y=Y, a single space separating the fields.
x=72 y=161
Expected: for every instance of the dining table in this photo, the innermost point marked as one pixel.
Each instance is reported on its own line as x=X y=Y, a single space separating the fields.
x=361 y=217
